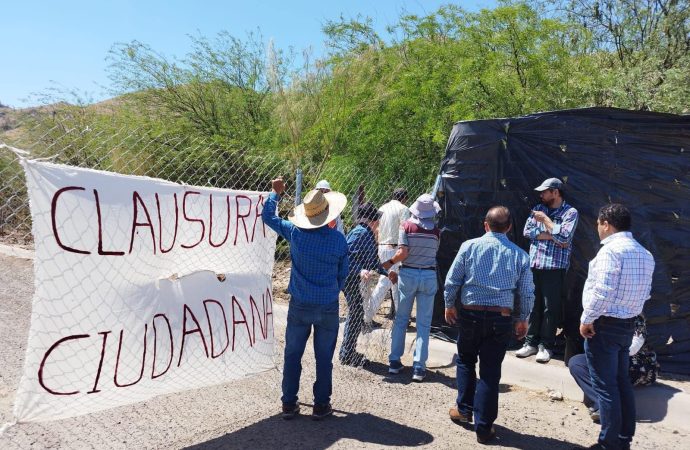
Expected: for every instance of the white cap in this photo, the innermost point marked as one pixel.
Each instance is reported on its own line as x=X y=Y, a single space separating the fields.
x=323 y=184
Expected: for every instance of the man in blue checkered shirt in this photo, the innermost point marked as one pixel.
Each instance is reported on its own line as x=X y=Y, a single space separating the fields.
x=488 y=272
x=319 y=266
x=618 y=284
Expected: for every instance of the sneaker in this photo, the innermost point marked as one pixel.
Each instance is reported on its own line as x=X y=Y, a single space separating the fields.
x=459 y=417
x=290 y=410
x=543 y=355
x=483 y=438
x=321 y=411
x=418 y=374
x=525 y=351
x=395 y=367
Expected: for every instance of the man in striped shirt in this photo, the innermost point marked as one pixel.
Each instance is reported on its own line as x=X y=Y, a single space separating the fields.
x=550 y=230
x=418 y=242
x=487 y=273
x=618 y=284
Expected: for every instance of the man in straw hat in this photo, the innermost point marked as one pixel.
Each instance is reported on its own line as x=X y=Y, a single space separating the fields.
x=418 y=243
x=319 y=267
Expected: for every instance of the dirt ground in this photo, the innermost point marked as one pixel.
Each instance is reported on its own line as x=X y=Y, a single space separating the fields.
x=373 y=410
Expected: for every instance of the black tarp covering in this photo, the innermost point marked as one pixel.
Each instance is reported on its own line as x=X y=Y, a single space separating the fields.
x=640 y=159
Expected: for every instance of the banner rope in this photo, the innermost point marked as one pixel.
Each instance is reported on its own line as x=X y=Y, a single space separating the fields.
x=22 y=154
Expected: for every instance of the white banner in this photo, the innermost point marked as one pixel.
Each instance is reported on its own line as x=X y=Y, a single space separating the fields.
x=142 y=287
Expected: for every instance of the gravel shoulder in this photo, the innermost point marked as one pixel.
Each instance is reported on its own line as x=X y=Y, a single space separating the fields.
x=373 y=410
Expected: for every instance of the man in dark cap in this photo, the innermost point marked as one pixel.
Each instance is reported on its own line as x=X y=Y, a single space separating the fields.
x=362 y=254
x=550 y=229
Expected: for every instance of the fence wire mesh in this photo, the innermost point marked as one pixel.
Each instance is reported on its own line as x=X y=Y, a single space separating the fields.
x=64 y=135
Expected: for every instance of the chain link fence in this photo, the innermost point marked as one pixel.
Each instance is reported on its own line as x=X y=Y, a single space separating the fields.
x=69 y=136
x=65 y=135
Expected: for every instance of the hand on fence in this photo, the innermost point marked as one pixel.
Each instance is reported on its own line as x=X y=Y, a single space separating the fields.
x=393 y=276
x=278 y=185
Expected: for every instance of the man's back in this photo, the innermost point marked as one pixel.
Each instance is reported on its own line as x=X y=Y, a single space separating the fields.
x=392 y=214
x=319 y=258
x=494 y=266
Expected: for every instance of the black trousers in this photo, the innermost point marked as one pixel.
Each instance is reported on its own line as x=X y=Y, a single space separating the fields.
x=547 y=312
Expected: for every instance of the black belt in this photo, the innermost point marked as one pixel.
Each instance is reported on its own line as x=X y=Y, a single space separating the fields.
x=609 y=319
x=420 y=268
x=388 y=245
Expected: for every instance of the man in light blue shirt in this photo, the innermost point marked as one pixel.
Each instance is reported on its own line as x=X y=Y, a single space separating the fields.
x=487 y=273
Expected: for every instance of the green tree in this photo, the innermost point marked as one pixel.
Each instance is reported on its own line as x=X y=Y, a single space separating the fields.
x=645 y=48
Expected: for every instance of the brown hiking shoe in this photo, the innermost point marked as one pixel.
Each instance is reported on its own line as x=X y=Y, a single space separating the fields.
x=290 y=410
x=321 y=411
x=459 y=417
x=483 y=438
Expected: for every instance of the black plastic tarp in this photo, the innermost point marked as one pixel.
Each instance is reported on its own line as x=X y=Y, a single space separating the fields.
x=603 y=155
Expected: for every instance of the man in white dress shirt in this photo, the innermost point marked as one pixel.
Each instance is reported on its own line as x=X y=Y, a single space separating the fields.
x=618 y=284
x=393 y=214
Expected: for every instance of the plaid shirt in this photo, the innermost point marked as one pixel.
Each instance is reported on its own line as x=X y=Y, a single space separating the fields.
x=319 y=258
x=619 y=279
x=489 y=270
x=545 y=254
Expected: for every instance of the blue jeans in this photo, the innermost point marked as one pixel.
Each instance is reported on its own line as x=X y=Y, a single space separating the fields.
x=355 y=317
x=301 y=319
x=580 y=372
x=484 y=335
x=422 y=285
x=608 y=360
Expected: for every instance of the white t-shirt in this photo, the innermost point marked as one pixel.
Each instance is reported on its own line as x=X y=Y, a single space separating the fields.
x=393 y=214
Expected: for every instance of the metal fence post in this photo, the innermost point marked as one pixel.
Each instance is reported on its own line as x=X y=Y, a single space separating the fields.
x=437 y=185
x=298 y=187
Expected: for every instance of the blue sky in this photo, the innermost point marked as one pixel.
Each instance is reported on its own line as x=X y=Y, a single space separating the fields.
x=65 y=43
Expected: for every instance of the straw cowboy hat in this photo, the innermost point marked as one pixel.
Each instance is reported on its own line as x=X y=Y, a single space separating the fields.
x=318 y=209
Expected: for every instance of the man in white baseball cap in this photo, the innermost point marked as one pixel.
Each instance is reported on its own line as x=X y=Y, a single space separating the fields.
x=325 y=187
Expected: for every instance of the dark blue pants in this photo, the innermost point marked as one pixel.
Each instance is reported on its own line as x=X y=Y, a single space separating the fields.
x=355 y=317
x=301 y=319
x=580 y=372
x=483 y=335
x=608 y=360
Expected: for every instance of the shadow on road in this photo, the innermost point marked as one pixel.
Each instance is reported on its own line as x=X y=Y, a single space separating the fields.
x=505 y=437
x=651 y=402
x=302 y=432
